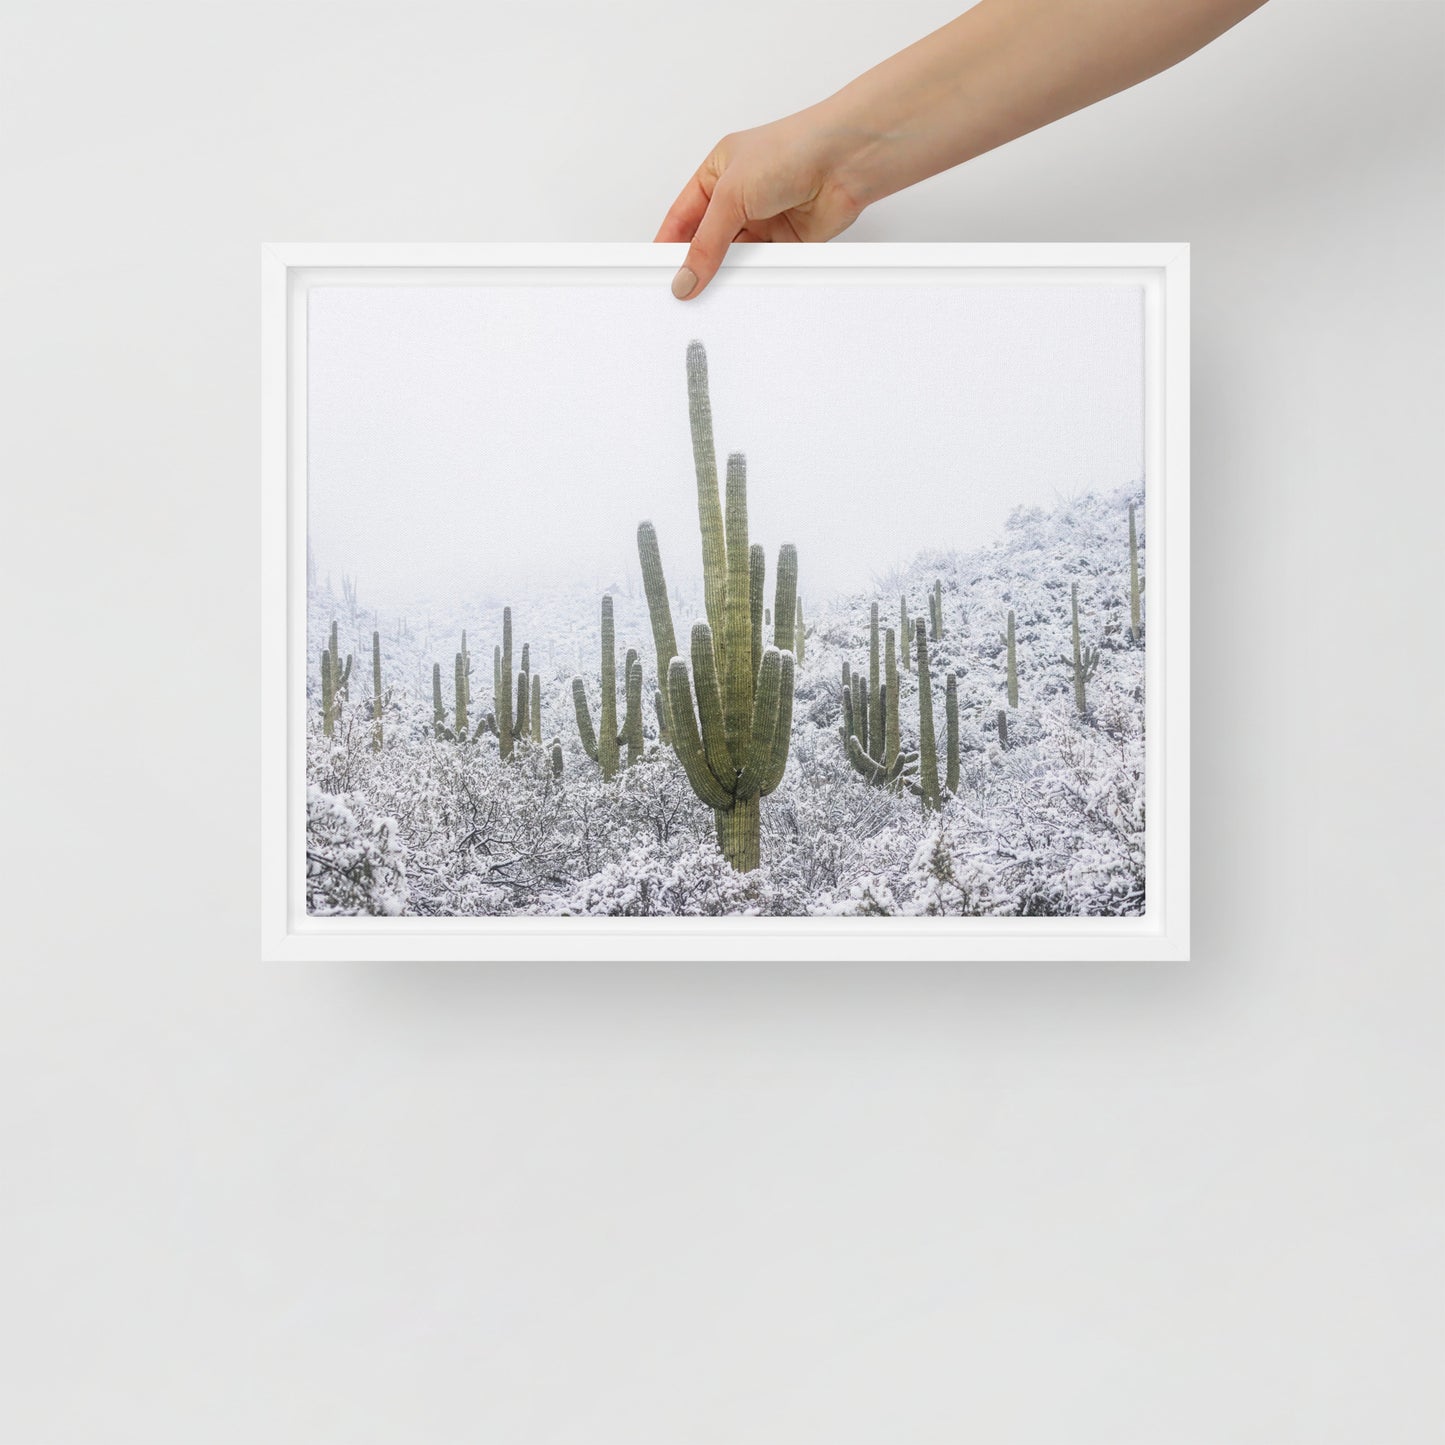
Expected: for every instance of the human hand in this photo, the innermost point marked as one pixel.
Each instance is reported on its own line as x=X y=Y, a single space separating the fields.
x=778 y=182
x=1000 y=70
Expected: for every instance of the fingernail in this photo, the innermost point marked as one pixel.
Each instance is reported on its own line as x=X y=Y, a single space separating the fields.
x=684 y=284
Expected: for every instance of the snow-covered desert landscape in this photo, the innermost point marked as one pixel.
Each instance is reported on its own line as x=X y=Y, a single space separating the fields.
x=1047 y=817
x=569 y=653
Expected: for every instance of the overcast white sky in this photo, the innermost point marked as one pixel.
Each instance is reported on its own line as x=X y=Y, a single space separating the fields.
x=466 y=439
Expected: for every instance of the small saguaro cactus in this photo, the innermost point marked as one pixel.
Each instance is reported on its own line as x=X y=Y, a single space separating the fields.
x=535 y=709
x=876 y=723
x=905 y=633
x=440 y=730
x=502 y=701
x=743 y=690
x=1085 y=660
x=927 y=747
x=1136 y=583
x=1002 y=728
x=884 y=762
x=376 y=698
x=460 y=692
x=632 y=720
x=330 y=703
x=662 y=734
x=556 y=758
x=600 y=745
x=1012 y=664
x=466 y=667
x=340 y=674
x=800 y=635
x=935 y=612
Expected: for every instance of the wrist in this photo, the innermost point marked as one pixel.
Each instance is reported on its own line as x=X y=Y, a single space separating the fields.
x=856 y=153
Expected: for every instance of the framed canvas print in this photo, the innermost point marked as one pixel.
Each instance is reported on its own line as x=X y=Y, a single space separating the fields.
x=841 y=613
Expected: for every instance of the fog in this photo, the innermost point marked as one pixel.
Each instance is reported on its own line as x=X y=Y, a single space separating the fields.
x=491 y=441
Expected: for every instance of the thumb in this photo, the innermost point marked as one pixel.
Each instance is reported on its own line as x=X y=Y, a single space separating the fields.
x=723 y=219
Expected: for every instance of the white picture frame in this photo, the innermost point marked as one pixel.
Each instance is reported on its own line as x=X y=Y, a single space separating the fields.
x=288 y=933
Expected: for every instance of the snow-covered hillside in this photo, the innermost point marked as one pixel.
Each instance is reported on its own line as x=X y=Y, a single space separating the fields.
x=1052 y=823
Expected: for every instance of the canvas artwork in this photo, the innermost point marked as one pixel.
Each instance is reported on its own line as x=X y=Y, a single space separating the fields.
x=795 y=602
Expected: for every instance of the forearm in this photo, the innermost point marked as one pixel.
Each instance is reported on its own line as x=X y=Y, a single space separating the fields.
x=1000 y=70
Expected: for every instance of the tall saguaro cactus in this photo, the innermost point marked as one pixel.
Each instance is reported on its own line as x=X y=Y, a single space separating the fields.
x=1136 y=582
x=1086 y=659
x=1013 y=672
x=800 y=635
x=376 y=700
x=536 y=709
x=734 y=744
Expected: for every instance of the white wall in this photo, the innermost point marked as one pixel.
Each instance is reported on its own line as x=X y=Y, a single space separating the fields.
x=514 y=1203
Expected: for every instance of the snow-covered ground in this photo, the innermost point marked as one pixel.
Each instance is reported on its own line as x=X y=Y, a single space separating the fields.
x=1052 y=824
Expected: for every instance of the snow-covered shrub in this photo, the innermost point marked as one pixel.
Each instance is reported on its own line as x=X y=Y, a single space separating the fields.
x=654 y=880
x=354 y=864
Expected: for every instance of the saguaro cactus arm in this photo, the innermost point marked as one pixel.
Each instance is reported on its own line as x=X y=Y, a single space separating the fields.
x=659 y=609
x=710 y=706
x=584 y=718
x=786 y=603
x=782 y=730
x=757 y=576
x=686 y=741
x=759 y=758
